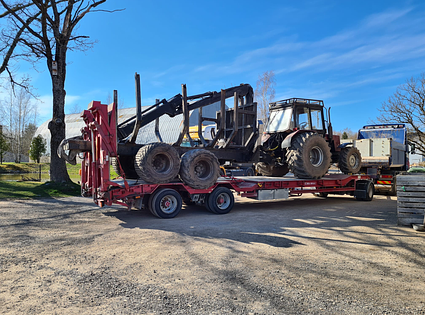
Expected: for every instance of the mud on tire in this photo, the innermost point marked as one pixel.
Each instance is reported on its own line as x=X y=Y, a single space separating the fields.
x=157 y=163
x=127 y=165
x=309 y=156
x=199 y=169
x=350 y=160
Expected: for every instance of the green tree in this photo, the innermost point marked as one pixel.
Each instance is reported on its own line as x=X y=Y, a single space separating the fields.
x=4 y=146
x=38 y=148
x=344 y=135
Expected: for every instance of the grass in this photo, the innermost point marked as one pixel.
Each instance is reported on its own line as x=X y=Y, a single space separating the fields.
x=33 y=189
x=23 y=167
x=30 y=190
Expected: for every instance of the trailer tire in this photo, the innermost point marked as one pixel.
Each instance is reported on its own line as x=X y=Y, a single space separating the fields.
x=127 y=165
x=309 y=156
x=368 y=187
x=157 y=163
x=165 y=203
x=220 y=201
x=199 y=169
x=322 y=195
x=350 y=160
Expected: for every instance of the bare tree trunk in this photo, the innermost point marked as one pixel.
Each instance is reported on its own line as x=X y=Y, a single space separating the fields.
x=58 y=171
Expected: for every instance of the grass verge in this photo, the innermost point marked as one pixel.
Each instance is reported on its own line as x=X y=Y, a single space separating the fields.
x=30 y=190
x=33 y=189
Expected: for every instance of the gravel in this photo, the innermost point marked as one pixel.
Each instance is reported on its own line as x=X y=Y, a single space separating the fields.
x=305 y=255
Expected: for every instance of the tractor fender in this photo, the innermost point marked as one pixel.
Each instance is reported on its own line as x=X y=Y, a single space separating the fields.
x=288 y=140
x=345 y=145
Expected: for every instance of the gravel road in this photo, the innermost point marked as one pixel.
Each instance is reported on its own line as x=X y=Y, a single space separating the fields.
x=305 y=255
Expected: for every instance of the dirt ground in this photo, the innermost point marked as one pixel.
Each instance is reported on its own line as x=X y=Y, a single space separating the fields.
x=305 y=255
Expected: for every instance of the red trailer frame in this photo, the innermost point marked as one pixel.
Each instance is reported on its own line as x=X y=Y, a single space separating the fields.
x=165 y=200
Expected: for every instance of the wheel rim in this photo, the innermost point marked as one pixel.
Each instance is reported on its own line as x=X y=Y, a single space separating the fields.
x=353 y=161
x=223 y=201
x=161 y=163
x=168 y=204
x=202 y=169
x=316 y=156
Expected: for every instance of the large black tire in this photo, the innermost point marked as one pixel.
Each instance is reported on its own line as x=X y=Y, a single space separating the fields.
x=157 y=163
x=350 y=160
x=199 y=169
x=271 y=170
x=220 y=201
x=368 y=188
x=127 y=165
x=309 y=156
x=165 y=203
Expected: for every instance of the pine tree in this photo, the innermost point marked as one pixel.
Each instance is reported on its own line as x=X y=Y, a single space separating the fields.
x=38 y=148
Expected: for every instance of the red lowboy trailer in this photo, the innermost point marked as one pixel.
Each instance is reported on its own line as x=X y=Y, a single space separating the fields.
x=165 y=200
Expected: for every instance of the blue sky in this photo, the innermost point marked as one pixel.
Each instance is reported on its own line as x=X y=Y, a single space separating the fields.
x=351 y=54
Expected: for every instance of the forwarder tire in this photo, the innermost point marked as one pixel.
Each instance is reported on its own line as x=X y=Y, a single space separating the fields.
x=157 y=163
x=127 y=165
x=309 y=156
x=350 y=160
x=199 y=169
x=271 y=170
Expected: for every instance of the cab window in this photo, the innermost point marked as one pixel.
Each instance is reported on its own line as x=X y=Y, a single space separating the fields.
x=316 y=119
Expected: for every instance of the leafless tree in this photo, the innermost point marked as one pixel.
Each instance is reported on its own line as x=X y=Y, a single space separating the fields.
x=350 y=133
x=18 y=113
x=45 y=30
x=407 y=106
x=264 y=93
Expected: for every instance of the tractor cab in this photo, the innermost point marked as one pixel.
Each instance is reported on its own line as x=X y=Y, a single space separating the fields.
x=296 y=114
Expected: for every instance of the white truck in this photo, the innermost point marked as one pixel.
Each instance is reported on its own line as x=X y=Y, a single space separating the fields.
x=385 y=153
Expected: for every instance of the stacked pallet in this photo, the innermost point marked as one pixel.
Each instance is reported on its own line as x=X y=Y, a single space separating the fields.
x=410 y=199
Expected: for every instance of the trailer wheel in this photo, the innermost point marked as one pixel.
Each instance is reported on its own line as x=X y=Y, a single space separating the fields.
x=127 y=165
x=157 y=163
x=220 y=201
x=350 y=160
x=368 y=188
x=322 y=195
x=199 y=169
x=165 y=203
x=309 y=156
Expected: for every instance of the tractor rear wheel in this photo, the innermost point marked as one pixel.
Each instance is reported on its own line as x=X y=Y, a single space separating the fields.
x=199 y=169
x=157 y=163
x=309 y=156
x=350 y=160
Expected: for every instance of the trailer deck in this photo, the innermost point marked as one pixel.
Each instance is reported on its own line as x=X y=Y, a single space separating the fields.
x=219 y=197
